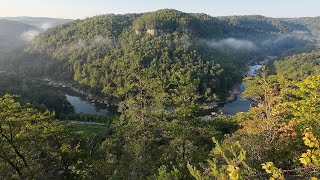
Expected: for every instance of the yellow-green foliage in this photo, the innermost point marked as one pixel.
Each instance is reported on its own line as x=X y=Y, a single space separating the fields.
x=276 y=173
x=312 y=156
x=224 y=164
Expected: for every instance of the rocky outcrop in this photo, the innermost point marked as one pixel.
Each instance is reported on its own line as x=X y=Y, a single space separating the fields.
x=160 y=32
x=138 y=32
x=209 y=105
x=234 y=93
x=152 y=32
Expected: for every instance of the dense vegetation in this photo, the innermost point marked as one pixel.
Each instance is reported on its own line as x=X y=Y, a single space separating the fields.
x=33 y=145
x=271 y=140
x=108 y=52
x=159 y=66
x=311 y=25
x=300 y=66
x=147 y=142
x=41 y=95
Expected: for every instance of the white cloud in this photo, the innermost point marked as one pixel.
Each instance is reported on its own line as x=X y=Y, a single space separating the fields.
x=29 y=35
x=46 y=26
x=300 y=32
x=233 y=43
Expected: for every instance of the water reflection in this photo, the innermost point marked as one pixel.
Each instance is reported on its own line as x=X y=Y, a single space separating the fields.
x=240 y=104
x=82 y=106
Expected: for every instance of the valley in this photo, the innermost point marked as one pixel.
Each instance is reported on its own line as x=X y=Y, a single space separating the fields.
x=160 y=95
x=86 y=103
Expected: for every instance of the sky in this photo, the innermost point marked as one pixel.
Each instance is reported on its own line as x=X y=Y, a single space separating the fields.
x=75 y=9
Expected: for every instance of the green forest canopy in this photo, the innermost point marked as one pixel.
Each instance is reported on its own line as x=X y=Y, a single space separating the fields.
x=174 y=65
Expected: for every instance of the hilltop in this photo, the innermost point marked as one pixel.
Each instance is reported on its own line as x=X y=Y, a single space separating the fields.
x=105 y=52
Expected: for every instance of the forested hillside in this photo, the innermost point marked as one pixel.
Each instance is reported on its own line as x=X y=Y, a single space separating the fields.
x=311 y=24
x=278 y=138
x=160 y=67
x=300 y=66
x=108 y=52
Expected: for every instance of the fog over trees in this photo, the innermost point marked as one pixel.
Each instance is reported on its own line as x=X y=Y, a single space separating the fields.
x=162 y=77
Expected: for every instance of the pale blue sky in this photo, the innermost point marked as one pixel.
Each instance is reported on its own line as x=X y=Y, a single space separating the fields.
x=86 y=8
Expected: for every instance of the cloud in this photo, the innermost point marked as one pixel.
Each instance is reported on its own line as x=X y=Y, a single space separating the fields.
x=233 y=43
x=273 y=41
x=100 y=40
x=300 y=32
x=29 y=35
x=80 y=44
x=46 y=26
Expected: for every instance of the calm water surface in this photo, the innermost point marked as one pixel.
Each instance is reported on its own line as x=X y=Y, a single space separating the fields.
x=240 y=104
x=85 y=107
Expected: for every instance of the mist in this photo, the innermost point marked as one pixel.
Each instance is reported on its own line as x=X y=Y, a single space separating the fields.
x=29 y=35
x=232 y=43
x=46 y=26
x=301 y=32
x=100 y=40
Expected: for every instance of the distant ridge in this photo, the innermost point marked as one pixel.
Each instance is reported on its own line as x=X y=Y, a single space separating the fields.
x=40 y=22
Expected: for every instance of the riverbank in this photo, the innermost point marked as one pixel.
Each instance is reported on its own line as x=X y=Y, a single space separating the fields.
x=233 y=104
x=74 y=88
x=207 y=108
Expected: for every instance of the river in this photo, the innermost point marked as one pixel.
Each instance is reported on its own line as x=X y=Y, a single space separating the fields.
x=240 y=104
x=230 y=108
x=82 y=106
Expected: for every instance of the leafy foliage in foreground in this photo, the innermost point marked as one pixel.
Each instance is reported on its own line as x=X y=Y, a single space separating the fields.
x=147 y=141
x=158 y=134
x=34 y=145
x=271 y=133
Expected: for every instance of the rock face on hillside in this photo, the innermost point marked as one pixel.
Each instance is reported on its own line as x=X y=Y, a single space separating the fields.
x=161 y=32
x=138 y=32
x=153 y=32
x=165 y=21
